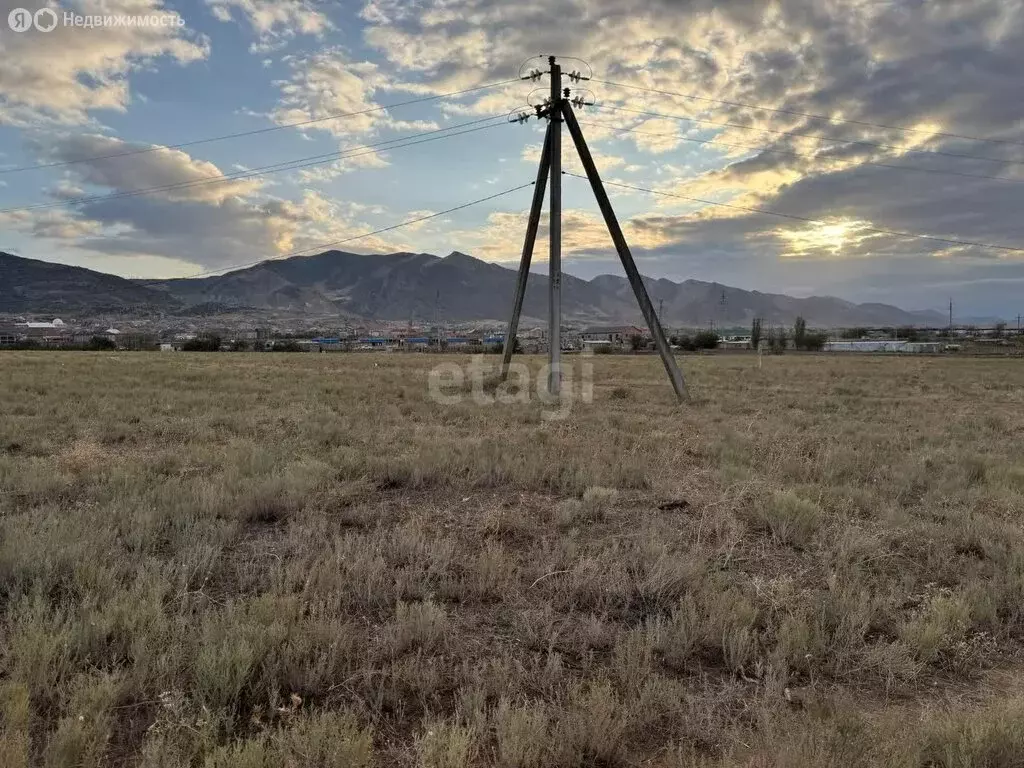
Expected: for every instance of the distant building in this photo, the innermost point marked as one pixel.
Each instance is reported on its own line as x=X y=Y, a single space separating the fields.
x=55 y=323
x=612 y=334
x=735 y=342
x=328 y=344
x=926 y=347
x=883 y=345
x=52 y=334
x=865 y=345
x=376 y=342
x=417 y=342
x=133 y=340
x=9 y=336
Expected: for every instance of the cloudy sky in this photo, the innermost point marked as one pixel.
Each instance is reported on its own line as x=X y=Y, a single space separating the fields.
x=721 y=109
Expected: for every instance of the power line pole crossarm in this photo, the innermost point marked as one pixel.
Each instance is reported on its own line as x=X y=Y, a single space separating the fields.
x=632 y=273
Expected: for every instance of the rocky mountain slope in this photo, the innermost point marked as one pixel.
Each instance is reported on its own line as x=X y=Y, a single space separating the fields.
x=418 y=287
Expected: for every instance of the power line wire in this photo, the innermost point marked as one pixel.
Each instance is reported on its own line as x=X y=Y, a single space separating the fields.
x=611 y=127
x=811 y=116
x=258 y=131
x=333 y=243
x=805 y=219
x=815 y=137
x=289 y=165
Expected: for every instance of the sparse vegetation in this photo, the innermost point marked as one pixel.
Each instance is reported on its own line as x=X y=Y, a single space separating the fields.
x=98 y=343
x=777 y=340
x=909 y=332
x=517 y=347
x=809 y=341
x=814 y=341
x=683 y=342
x=705 y=340
x=799 y=332
x=756 y=332
x=300 y=560
x=204 y=343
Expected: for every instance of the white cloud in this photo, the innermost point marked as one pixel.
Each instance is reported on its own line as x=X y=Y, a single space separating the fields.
x=657 y=135
x=59 y=76
x=55 y=224
x=210 y=226
x=324 y=173
x=326 y=84
x=156 y=168
x=274 y=21
x=329 y=83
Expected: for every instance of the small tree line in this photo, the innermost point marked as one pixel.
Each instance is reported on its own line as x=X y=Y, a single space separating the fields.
x=94 y=344
x=778 y=338
x=699 y=340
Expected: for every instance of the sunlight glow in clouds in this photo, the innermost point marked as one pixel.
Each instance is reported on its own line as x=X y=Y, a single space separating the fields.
x=835 y=237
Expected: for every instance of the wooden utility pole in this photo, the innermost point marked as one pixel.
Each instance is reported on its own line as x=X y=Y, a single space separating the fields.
x=632 y=273
x=557 y=109
x=524 y=263
x=555 y=234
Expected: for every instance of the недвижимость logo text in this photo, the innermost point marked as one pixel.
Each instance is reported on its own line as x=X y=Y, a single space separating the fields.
x=47 y=19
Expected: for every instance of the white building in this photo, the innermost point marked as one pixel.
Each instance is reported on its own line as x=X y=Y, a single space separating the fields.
x=735 y=342
x=55 y=323
x=53 y=333
x=613 y=334
x=883 y=345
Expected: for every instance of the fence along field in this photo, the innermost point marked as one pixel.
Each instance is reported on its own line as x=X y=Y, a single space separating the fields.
x=240 y=560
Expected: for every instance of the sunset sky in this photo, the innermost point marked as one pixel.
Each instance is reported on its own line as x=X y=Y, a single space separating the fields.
x=941 y=76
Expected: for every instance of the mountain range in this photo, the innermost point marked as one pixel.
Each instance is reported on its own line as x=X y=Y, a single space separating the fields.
x=415 y=287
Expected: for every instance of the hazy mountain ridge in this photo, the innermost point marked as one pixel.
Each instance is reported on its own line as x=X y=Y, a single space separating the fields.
x=27 y=285
x=419 y=287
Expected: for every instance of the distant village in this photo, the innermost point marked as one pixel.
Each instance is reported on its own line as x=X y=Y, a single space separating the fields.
x=21 y=333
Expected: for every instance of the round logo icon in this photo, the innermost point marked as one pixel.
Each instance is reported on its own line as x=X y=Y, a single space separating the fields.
x=45 y=19
x=19 y=20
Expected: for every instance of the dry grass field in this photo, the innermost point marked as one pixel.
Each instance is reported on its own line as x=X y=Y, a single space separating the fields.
x=249 y=561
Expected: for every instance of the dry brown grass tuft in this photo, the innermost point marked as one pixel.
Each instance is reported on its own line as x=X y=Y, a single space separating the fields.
x=789 y=519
